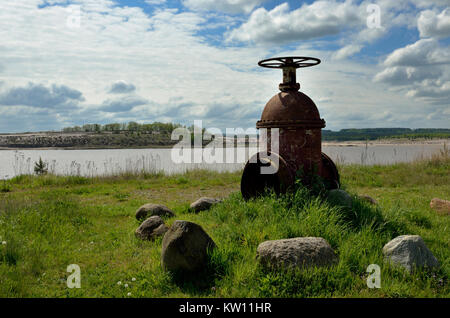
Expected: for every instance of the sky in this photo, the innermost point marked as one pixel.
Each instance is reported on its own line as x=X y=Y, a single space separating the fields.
x=64 y=63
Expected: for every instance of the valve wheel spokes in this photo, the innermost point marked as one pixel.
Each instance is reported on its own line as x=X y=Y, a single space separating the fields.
x=289 y=61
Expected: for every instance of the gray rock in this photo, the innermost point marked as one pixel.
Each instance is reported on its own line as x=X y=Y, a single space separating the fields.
x=203 y=203
x=339 y=197
x=150 y=209
x=298 y=252
x=184 y=247
x=151 y=228
x=369 y=199
x=409 y=251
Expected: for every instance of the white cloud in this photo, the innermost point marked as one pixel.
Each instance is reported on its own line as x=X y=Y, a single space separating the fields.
x=180 y=76
x=399 y=75
x=428 y=3
x=433 y=90
x=228 y=6
x=38 y=95
x=155 y=2
x=123 y=104
x=348 y=19
x=422 y=68
x=315 y=20
x=424 y=52
x=433 y=24
x=122 y=87
x=161 y=54
x=23 y=118
x=347 y=51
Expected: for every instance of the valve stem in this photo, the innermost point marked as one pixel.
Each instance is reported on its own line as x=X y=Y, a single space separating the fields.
x=289 y=77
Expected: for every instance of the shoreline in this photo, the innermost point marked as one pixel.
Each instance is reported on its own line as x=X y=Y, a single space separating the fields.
x=87 y=148
x=386 y=142
x=352 y=143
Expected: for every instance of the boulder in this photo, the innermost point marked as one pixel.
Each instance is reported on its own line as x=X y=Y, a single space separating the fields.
x=368 y=198
x=151 y=228
x=409 y=251
x=184 y=247
x=203 y=203
x=151 y=209
x=339 y=197
x=441 y=206
x=298 y=252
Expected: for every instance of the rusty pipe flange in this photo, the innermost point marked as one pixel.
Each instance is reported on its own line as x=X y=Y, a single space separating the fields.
x=290 y=109
x=330 y=173
x=254 y=183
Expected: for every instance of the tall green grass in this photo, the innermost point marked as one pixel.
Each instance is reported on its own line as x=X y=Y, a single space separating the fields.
x=50 y=222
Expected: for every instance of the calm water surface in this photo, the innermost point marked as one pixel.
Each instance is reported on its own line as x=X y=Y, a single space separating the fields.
x=115 y=161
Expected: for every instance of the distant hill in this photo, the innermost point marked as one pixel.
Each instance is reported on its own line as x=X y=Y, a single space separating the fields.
x=384 y=133
x=134 y=135
x=115 y=135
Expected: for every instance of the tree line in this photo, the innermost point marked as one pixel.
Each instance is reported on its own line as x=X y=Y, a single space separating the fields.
x=327 y=135
x=163 y=128
x=384 y=133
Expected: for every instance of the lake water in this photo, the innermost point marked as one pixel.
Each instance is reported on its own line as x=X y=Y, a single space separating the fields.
x=116 y=161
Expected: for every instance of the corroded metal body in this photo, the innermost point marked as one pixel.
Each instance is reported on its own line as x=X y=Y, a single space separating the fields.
x=300 y=148
x=299 y=123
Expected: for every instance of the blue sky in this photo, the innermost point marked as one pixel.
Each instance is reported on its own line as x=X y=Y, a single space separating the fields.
x=65 y=63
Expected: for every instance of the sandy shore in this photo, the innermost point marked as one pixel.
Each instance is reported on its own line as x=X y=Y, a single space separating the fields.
x=353 y=143
x=85 y=148
x=384 y=142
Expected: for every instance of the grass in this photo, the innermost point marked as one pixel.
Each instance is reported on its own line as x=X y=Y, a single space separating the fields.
x=50 y=222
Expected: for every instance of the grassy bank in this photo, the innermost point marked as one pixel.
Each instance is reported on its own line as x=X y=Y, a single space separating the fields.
x=50 y=222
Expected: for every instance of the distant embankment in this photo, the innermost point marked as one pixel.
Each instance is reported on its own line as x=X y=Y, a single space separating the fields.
x=85 y=140
x=153 y=139
x=385 y=133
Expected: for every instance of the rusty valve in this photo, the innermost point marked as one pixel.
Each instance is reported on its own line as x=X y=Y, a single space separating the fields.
x=299 y=126
x=289 y=66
